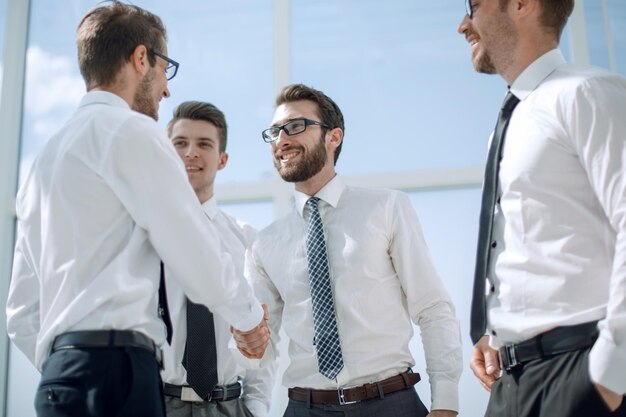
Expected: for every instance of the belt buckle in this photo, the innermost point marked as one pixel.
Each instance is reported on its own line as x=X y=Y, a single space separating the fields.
x=342 y=398
x=511 y=358
x=188 y=394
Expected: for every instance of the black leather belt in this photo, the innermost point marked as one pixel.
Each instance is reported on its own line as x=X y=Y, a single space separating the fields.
x=345 y=396
x=220 y=393
x=84 y=339
x=554 y=342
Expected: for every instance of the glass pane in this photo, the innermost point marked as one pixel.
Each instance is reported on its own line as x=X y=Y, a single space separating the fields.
x=449 y=219
x=222 y=46
x=3 y=11
x=402 y=75
x=258 y=214
x=605 y=21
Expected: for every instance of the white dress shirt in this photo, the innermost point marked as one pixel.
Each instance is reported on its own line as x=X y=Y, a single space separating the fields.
x=383 y=279
x=235 y=236
x=106 y=199
x=560 y=230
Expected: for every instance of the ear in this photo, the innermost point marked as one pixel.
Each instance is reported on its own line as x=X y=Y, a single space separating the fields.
x=139 y=60
x=334 y=136
x=525 y=8
x=223 y=160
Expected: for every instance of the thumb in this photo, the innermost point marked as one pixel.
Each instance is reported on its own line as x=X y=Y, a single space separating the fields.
x=492 y=363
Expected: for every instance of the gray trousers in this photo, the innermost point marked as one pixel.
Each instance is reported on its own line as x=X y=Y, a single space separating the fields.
x=405 y=403
x=174 y=407
x=557 y=386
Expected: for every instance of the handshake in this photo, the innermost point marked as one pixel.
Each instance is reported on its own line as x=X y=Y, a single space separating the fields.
x=252 y=343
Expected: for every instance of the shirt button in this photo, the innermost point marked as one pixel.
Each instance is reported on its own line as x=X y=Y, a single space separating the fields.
x=493 y=333
x=498 y=201
x=494 y=244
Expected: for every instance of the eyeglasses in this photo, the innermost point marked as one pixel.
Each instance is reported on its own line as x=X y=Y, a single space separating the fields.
x=469 y=9
x=172 y=66
x=292 y=127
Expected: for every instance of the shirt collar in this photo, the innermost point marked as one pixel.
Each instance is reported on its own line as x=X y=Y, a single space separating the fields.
x=536 y=72
x=330 y=193
x=103 y=97
x=210 y=208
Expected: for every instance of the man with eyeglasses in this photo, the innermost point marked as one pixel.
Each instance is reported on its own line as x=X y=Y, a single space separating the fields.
x=549 y=302
x=106 y=200
x=347 y=273
x=204 y=378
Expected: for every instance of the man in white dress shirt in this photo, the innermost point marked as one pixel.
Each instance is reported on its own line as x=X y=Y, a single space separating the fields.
x=554 y=339
x=198 y=132
x=381 y=280
x=95 y=218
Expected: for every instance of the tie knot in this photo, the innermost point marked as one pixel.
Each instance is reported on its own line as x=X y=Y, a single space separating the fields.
x=312 y=202
x=510 y=101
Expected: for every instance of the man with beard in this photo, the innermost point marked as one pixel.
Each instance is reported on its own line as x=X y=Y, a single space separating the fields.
x=95 y=218
x=347 y=273
x=549 y=325
x=212 y=387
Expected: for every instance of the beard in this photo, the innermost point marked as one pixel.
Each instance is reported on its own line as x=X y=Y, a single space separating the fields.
x=143 y=101
x=484 y=64
x=311 y=163
x=502 y=53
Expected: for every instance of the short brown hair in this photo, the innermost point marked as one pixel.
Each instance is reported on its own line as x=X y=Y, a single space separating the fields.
x=554 y=14
x=328 y=111
x=198 y=110
x=107 y=36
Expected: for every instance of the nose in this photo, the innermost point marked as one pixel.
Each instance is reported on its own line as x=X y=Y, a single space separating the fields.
x=166 y=92
x=191 y=152
x=464 y=25
x=283 y=138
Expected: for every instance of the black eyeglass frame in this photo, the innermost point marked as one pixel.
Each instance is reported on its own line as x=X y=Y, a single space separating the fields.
x=267 y=136
x=469 y=9
x=170 y=61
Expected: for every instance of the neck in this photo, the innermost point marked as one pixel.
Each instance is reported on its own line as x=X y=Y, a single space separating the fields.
x=317 y=182
x=529 y=53
x=124 y=93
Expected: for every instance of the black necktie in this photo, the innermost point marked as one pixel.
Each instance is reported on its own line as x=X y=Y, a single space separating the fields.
x=200 y=357
x=490 y=190
x=164 y=311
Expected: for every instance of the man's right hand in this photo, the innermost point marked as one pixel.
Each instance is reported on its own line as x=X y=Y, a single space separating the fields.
x=252 y=343
x=485 y=363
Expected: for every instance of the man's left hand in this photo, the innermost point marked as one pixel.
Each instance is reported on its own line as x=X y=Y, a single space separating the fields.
x=442 y=413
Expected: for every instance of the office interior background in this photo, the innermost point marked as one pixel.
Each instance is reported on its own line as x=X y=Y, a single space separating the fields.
x=417 y=116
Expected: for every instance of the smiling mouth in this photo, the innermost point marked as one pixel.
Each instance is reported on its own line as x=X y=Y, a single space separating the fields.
x=192 y=169
x=285 y=157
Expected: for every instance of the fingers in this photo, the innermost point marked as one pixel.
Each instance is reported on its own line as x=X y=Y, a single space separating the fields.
x=485 y=364
x=252 y=343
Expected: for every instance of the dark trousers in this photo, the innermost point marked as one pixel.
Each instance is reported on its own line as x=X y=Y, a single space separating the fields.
x=405 y=403
x=558 y=386
x=231 y=408
x=100 y=382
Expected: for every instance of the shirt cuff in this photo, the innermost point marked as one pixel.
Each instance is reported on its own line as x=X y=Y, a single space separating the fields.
x=256 y=407
x=242 y=319
x=607 y=362
x=445 y=395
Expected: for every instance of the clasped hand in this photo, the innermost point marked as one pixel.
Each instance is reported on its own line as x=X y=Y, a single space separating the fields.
x=252 y=343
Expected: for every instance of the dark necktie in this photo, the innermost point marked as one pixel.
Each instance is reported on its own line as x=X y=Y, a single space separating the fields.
x=490 y=190
x=327 y=345
x=164 y=311
x=200 y=357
